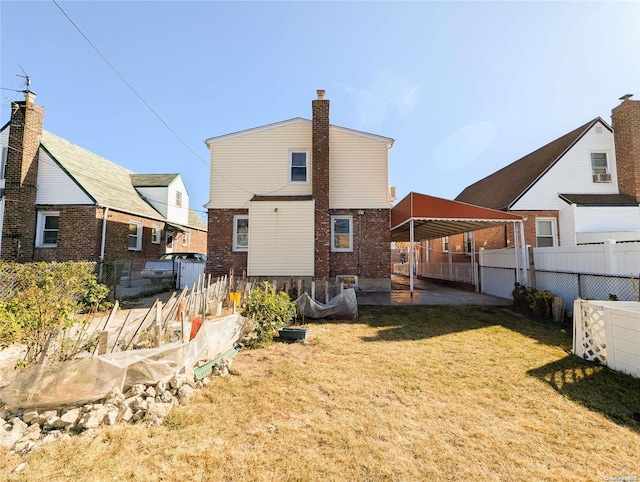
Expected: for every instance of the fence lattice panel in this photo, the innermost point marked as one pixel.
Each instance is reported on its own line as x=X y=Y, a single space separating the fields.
x=593 y=344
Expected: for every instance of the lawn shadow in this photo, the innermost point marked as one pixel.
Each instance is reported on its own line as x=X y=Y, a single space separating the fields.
x=399 y=323
x=596 y=387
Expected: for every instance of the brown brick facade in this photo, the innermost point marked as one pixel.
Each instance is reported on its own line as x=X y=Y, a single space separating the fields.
x=371 y=255
x=220 y=254
x=18 y=230
x=626 y=131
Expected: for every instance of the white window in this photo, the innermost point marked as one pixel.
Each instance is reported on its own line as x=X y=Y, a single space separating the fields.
x=178 y=199
x=155 y=234
x=241 y=233
x=47 y=233
x=3 y=162
x=341 y=233
x=445 y=243
x=546 y=232
x=185 y=239
x=135 y=236
x=468 y=242
x=299 y=166
x=600 y=167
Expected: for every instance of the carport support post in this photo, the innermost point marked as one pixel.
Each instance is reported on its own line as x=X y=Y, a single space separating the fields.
x=523 y=247
x=411 y=256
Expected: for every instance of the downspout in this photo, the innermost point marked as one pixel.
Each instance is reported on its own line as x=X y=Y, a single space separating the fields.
x=103 y=241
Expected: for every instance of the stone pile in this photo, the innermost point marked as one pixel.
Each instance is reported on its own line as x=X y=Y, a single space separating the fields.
x=26 y=430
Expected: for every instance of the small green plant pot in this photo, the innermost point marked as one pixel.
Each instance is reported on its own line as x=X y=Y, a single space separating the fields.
x=293 y=333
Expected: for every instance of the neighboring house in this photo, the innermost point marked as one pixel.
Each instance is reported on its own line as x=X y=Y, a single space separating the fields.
x=301 y=198
x=581 y=188
x=61 y=202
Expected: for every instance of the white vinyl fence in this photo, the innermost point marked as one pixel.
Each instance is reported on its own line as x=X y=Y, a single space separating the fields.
x=498 y=272
x=608 y=332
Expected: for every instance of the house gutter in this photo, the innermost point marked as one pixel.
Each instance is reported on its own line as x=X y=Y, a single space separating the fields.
x=103 y=240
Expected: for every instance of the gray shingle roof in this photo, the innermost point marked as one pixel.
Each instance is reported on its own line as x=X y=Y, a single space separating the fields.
x=599 y=199
x=502 y=188
x=152 y=180
x=106 y=182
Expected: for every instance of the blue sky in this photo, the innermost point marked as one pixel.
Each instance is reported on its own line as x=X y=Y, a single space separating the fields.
x=464 y=88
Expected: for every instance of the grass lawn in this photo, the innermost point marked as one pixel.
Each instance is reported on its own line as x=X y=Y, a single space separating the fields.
x=401 y=394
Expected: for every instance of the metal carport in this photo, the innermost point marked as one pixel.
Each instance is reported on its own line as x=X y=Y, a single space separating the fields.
x=422 y=217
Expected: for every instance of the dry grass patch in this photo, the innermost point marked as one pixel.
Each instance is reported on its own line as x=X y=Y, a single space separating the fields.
x=403 y=394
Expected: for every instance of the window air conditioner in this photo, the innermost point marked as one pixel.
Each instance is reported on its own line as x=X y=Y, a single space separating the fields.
x=603 y=177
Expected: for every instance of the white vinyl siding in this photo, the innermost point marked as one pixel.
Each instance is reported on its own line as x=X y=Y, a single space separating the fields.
x=55 y=186
x=258 y=163
x=572 y=174
x=282 y=238
x=567 y=225
x=358 y=171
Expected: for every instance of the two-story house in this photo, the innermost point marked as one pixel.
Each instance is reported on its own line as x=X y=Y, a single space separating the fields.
x=62 y=202
x=301 y=198
x=581 y=188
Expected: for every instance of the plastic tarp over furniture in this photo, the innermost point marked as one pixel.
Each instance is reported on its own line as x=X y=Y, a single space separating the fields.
x=90 y=379
x=343 y=306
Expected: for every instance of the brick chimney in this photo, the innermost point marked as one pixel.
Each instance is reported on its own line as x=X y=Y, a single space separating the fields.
x=320 y=183
x=626 y=133
x=21 y=176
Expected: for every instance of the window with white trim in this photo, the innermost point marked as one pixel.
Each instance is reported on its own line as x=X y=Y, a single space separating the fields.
x=155 y=234
x=185 y=239
x=445 y=243
x=298 y=171
x=600 y=167
x=241 y=233
x=468 y=242
x=3 y=162
x=135 y=236
x=546 y=232
x=341 y=233
x=178 y=199
x=47 y=229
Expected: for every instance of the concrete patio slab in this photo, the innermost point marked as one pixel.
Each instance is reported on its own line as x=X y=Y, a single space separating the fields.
x=426 y=293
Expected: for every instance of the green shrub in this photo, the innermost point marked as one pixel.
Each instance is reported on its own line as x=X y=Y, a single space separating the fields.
x=528 y=300
x=44 y=300
x=270 y=311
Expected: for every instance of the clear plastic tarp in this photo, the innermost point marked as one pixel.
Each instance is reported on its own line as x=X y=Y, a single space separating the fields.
x=87 y=380
x=342 y=306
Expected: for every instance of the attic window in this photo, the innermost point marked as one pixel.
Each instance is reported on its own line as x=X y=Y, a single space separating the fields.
x=600 y=167
x=598 y=129
x=178 y=199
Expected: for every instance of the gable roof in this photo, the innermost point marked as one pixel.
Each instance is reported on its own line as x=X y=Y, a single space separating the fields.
x=296 y=120
x=504 y=187
x=105 y=182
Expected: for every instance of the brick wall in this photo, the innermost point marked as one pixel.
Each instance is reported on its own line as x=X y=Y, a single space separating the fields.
x=371 y=255
x=18 y=232
x=320 y=185
x=626 y=131
x=117 y=238
x=220 y=255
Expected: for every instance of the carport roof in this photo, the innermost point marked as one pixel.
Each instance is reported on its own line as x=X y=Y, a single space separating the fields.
x=435 y=217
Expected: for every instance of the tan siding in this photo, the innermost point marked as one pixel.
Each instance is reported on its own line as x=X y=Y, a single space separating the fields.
x=281 y=242
x=256 y=163
x=358 y=172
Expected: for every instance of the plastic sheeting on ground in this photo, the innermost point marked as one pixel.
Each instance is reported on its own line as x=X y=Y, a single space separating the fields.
x=343 y=306
x=86 y=380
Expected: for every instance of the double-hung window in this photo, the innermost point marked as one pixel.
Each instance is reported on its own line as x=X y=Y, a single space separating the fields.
x=155 y=234
x=445 y=244
x=241 y=233
x=299 y=166
x=341 y=233
x=545 y=232
x=600 y=167
x=135 y=236
x=178 y=199
x=185 y=239
x=47 y=234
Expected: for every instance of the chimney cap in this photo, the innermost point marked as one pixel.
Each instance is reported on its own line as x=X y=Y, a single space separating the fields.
x=320 y=94
x=625 y=97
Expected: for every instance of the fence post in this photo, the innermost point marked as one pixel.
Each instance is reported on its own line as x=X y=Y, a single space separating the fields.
x=579 y=286
x=532 y=268
x=609 y=262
